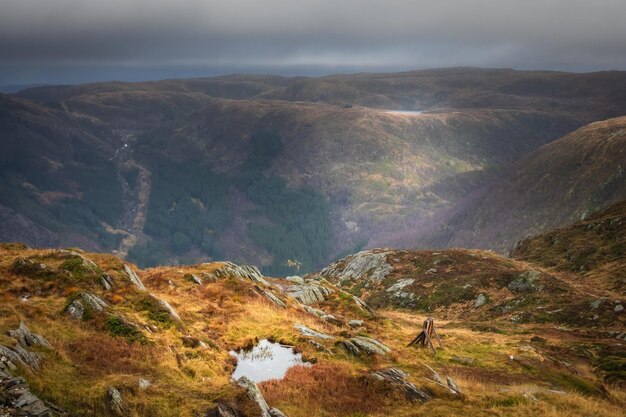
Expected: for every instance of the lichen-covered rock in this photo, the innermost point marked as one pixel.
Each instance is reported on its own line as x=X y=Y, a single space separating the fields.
x=167 y=307
x=309 y=293
x=349 y=347
x=398 y=380
x=305 y=331
x=274 y=299
x=107 y=281
x=16 y=399
x=480 y=300
x=527 y=281
x=242 y=272
x=144 y=384
x=365 y=265
x=76 y=310
x=314 y=311
x=295 y=279
x=115 y=402
x=85 y=301
x=134 y=279
x=275 y=412
x=254 y=393
x=19 y=355
x=355 y=323
x=26 y=338
x=370 y=346
x=363 y=305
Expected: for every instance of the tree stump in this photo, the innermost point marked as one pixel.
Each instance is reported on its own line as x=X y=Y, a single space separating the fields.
x=425 y=337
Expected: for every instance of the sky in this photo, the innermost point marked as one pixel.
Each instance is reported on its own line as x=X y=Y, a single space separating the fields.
x=71 y=41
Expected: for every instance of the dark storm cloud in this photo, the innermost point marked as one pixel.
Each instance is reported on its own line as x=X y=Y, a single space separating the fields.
x=54 y=36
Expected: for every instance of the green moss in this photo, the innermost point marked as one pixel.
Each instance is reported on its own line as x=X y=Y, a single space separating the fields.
x=119 y=328
x=155 y=311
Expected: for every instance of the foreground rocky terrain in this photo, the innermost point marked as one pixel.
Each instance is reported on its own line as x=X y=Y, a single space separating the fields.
x=178 y=171
x=89 y=334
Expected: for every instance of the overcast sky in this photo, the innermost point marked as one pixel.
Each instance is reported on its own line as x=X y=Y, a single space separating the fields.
x=85 y=40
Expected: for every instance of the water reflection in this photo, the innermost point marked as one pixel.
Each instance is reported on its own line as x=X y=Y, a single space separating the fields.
x=266 y=361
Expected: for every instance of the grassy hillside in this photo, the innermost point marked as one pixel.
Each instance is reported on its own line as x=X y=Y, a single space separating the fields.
x=593 y=250
x=555 y=185
x=127 y=335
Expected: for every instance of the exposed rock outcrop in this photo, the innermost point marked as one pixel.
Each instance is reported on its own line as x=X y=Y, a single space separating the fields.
x=370 y=346
x=114 y=401
x=134 y=278
x=87 y=263
x=26 y=338
x=526 y=282
x=398 y=380
x=167 y=307
x=16 y=399
x=366 y=265
x=242 y=272
x=273 y=298
x=305 y=331
x=309 y=293
x=254 y=393
x=85 y=301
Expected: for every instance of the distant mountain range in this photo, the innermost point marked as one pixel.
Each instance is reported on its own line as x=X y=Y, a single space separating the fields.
x=290 y=173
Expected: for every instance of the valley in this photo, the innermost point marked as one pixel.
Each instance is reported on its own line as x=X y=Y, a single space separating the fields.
x=372 y=171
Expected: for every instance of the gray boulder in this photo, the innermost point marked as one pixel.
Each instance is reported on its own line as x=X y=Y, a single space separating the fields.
x=167 y=307
x=365 y=265
x=134 y=279
x=355 y=323
x=115 y=402
x=254 y=393
x=26 y=338
x=527 y=281
x=480 y=301
x=242 y=272
x=77 y=307
x=398 y=380
x=370 y=346
x=305 y=331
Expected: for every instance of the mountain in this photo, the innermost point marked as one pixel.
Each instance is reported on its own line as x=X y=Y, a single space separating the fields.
x=290 y=173
x=58 y=184
x=89 y=334
x=594 y=249
x=555 y=185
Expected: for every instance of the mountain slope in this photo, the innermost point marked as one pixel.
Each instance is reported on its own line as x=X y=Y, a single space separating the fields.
x=556 y=184
x=594 y=249
x=91 y=335
x=203 y=164
x=58 y=184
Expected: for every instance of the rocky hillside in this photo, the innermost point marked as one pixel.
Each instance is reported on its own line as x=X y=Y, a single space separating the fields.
x=470 y=285
x=287 y=173
x=555 y=185
x=87 y=334
x=594 y=249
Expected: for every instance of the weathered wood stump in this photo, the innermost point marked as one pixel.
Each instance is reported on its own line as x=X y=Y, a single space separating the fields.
x=425 y=337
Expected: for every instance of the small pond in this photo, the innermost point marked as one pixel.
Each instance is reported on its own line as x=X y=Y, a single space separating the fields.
x=266 y=361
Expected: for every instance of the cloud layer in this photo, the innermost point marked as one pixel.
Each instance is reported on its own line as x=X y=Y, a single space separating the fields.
x=40 y=38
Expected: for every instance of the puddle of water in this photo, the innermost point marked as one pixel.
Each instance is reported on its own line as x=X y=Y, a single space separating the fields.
x=266 y=361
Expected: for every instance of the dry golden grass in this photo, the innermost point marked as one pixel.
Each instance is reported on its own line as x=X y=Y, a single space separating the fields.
x=229 y=314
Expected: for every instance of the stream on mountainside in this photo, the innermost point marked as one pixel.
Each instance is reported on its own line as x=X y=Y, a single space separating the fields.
x=265 y=361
